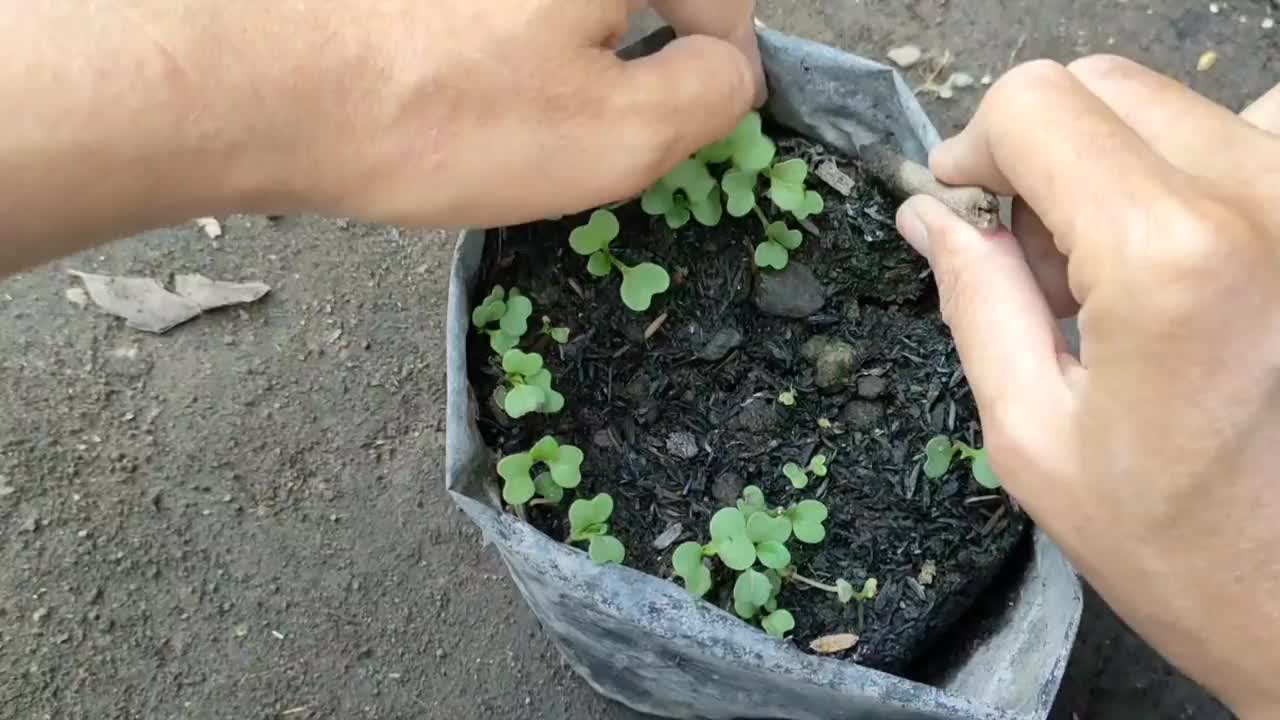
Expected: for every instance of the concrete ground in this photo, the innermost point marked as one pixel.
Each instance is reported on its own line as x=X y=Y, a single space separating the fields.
x=244 y=517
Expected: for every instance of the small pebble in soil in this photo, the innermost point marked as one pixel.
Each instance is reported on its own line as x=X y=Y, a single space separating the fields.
x=906 y=56
x=682 y=445
x=793 y=292
x=720 y=344
x=668 y=536
x=834 y=365
x=862 y=415
x=758 y=415
x=727 y=488
x=871 y=387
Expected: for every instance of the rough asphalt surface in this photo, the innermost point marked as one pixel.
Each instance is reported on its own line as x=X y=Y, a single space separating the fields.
x=244 y=517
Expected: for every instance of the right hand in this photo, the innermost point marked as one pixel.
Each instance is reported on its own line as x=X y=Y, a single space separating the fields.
x=1153 y=460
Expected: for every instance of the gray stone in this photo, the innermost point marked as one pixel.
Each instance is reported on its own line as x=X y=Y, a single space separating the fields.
x=727 y=488
x=862 y=415
x=835 y=365
x=682 y=445
x=813 y=346
x=792 y=292
x=758 y=415
x=872 y=386
x=720 y=344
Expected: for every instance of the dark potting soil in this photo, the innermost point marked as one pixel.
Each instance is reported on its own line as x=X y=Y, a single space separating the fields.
x=677 y=408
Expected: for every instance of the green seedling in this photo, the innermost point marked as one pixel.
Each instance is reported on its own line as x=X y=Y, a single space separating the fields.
x=528 y=387
x=639 y=282
x=563 y=472
x=941 y=450
x=843 y=589
x=687 y=561
x=747 y=147
x=510 y=310
x=799 y=476
x=558 y=334
x=589 y=523
x=776 y=249
x=688 y=190
x=787 y=397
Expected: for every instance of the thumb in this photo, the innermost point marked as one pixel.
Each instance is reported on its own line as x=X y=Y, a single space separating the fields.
x=1004 y=330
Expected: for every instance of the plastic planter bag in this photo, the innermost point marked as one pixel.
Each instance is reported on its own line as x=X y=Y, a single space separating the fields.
x=644 y=641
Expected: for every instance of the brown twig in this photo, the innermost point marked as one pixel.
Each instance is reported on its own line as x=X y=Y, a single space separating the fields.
x=905 y=178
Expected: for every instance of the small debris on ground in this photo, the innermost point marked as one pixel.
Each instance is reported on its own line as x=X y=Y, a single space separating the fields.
x=668 y=536
x=905 y=56
x=682 y=445
x=835 y=177
x=1207 y=61
x=146 y=305
x=928 y=571
x=830 y=644
x=77 y=296
x=210 y=226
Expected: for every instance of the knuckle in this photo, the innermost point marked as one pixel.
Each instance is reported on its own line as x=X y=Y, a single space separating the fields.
x=1025 y=84
x=1103 y=68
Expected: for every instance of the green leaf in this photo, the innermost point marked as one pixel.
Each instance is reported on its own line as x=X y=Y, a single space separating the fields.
x=501 y=342
x=691 y=176
x=740 y=192
x=565 y=468
x=717 y=152
x=599 y=231
x=599 y=264
x=762 y=528
x=545 y=450
x=811 y=205
x=687 y=559
x=806 y=521
x=784 y=236
x=518 y=487
x=708 y=210
x=818 y=465
x=844 y=591
x=773 y=554
x=737 y=552
x=786 y=196
x=522 y=400
x=658 y=199
x=699 y=583
x=518 y=362
x=553 y=403
x=752 y=501
x=560 y=334
x=791 y=172
x=606 y=549
x=938 y=453
x=487 y=312
x=982 y=472
x=750 y=593
x=772 y=255
x=540 y=379
x=797 y=476
x=753 y=150
x=727 y=523
x=515 y=321
x=778 y=623
x=678 y=216
x=640 y=283
x=869 y=589
x=547 y=488
x=585 y=513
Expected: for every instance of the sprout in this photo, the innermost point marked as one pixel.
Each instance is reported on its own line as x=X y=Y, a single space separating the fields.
x=806 y=521
x=588 y=522
x=941 y=450
x=799 y=476
x=688 y=564
x=528 y=386
x=558 y=334
x=787 y=190
x=563 y=464
x=778 y=623
x=787 y=397
x=639 y=282
x=779 y=241
x=687 y=190
x=747 y=146
x=511 y=310
x=846 y=593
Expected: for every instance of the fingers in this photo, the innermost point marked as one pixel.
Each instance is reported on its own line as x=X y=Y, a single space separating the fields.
x=1082 y=164
x=1192 y=132
x=662 y=108
x=1264 y=112
x=1048 y=265
x=730 y=20
x=1005 y=334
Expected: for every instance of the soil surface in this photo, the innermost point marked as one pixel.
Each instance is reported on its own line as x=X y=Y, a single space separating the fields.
x=383 y=602
x=677 y=408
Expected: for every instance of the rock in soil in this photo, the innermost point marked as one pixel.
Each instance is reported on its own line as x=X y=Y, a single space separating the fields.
x=758 y=415
x=792 y=292
x=835 y=364
x=725 y=340
x=862 y=414
x=871 y=387
x=727 y=487
x=682 y=445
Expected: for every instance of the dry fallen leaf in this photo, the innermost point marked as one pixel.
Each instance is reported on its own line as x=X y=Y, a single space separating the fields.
x=146 y=305
x=210 y=226
x=829 y=644
x=668 y=536
x=655 y=326
x=1207 y=61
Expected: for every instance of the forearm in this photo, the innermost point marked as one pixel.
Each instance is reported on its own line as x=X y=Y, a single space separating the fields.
x=125 y=115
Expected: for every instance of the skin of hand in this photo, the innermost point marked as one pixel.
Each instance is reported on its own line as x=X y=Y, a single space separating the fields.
x=445 y=114
x=1154 y=214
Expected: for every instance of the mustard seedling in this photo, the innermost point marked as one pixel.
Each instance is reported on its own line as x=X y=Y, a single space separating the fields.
x=688 y=190
x=787 y=398
x=589 y=523
x=799 y=476
x=563 y=472
x=559 y=334
x=510 y=310
x=528 y=386
x=941 y=450
x=639 y=282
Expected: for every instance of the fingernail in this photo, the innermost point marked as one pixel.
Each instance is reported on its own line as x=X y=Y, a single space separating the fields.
x=913 y=229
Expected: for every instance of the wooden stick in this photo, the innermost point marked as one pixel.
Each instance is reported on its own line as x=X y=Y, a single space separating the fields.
x=905 y=178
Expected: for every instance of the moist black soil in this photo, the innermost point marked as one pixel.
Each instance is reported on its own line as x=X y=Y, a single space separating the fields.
x=677 y=408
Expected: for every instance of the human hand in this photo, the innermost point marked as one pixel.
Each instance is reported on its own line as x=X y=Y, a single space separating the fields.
x=509 y=111
x=1155 y=214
